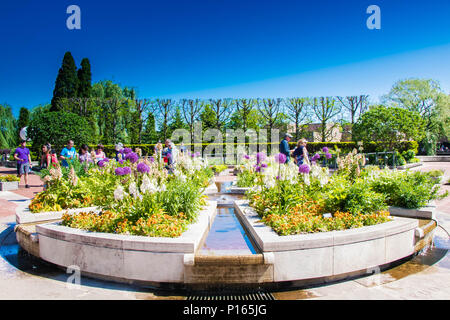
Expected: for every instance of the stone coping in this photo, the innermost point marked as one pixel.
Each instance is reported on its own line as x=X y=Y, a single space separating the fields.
x=9 y=185
x=427 y=212
x=186 y=243
x=24 y=214
x=269 y=241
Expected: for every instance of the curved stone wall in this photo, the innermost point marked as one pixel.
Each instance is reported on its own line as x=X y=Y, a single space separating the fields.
x=123 y=257
x=331 y=254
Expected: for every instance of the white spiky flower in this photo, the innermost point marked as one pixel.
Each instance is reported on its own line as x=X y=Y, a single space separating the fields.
x=119 y=193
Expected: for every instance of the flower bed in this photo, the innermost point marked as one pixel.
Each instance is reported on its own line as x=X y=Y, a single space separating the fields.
x=134 y=196
x=9 y=182
x=307 y=199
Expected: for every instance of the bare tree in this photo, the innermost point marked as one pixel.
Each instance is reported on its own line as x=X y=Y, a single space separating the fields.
x=244 y=107
x=191 y=109
x=223 y=109
x=297 y=112
x=356 y=105
x=144 y=108
x=270 y=110
x=165 y=110
x=326 y=109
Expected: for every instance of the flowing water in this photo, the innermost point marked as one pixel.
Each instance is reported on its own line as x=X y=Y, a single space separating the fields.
x=228 y=237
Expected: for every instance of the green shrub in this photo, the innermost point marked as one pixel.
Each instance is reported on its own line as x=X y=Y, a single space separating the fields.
x=408 y=155
x=9 y=178
x=406 y=189
x=57 y=128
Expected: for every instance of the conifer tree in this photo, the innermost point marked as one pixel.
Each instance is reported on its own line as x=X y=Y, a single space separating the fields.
x=66 y=85
x=84 y=79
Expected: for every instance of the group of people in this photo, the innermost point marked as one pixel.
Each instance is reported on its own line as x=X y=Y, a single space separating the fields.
x=69 y=153
x=300 y=153
x=167 y=153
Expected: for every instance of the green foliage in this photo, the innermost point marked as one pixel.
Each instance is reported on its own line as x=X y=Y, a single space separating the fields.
x=66 y=85
x=85 y=78
x=8 y=131
x=9 y=178
x=361 y=199
x=389 y=125
x=408 y=155
x=24 y=118
x=405 y=189
x=57 y=128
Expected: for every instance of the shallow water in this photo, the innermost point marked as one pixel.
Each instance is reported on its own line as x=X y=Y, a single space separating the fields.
x=227 y=236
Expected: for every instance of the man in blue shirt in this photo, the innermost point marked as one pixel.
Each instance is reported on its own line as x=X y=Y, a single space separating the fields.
x=284 y=147
x=68 y=153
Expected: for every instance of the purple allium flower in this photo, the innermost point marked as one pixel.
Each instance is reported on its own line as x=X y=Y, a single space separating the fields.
x=121 y=161
x=315 y=157
x=119 y=171
x=304 y=168
x=264 y=165
x=278 y=177
x=258 y=169
x=246 y=156
x=133 y=157
x=143 y=168
x=325 y=149
x=152 y=159
x=328 y=155
x=126 y=150
x=280 y=158
x=260 y=156
x=126 y=170
x=192 y=155
x=102 y=163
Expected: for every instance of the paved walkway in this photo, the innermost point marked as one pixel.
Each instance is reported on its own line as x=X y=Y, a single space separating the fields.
x=427 y=276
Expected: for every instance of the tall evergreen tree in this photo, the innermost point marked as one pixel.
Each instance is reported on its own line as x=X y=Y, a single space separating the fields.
x=66 y=85
x=24 y=118
x=85 y=79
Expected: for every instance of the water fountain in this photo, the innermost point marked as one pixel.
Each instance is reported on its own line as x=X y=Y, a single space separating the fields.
x=229 y=248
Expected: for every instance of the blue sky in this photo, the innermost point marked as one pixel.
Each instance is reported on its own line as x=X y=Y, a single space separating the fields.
x=224 y=48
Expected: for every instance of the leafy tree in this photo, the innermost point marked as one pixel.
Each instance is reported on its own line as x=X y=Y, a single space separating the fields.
x=425 y=97
x=85 y=79
x=177 y=122
x=389 y=125
x=57 y=128
x=66 y=85
x=208 y=117
x=246 y=119
x=8 y=130
x=150 y=135
x=24 y=118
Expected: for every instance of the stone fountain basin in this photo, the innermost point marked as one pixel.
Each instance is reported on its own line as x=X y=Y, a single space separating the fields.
x=335 y=254
x=124 y=258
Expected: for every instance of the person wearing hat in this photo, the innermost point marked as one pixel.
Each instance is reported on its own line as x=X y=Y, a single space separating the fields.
x=284 y=147
x=118 y=147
